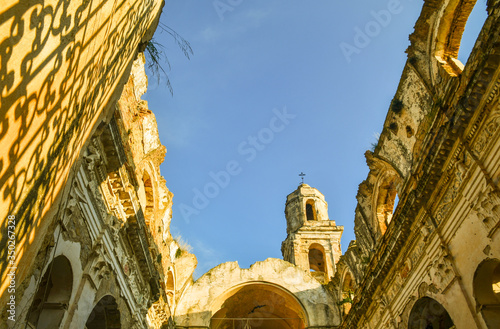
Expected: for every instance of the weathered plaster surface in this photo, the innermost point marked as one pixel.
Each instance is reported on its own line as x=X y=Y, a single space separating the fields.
x=198 y=303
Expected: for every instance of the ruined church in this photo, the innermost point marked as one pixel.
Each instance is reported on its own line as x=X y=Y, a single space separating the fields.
x=85 y=211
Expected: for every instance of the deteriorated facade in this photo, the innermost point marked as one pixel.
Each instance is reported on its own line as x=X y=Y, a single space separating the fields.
x=435 y=261
x=79 y=171
x=270 y=294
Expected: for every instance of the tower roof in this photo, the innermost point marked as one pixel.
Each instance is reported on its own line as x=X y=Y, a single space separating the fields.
x=304 y=190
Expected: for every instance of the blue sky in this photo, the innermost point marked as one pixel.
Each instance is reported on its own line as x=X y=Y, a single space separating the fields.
x=274 y=88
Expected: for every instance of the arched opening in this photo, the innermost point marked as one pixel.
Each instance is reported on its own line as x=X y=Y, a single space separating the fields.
x=258 y=305
x=427 y=313
x=317 y=264
x=471 y=31
x=170 y=288
x=148 y=198
x=105 y=315
x=347 y=293
x=386 y=203
x=487 y=291
x=170 y=281
x=53 y=295
x=450 y=34
x=396 y=201
x=310 y=211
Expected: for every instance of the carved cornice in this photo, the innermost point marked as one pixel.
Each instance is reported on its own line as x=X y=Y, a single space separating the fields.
x=106 y=162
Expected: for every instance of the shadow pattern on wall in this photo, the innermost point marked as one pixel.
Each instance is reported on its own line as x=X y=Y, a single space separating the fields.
x=63 y=65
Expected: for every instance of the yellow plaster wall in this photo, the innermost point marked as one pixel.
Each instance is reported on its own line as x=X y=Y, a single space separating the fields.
x=62 y=67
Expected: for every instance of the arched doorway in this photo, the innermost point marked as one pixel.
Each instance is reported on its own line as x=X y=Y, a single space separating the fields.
x=105 y=315
x=427 y=313
x=487 y=291
x=53 y=295
x=258 y=305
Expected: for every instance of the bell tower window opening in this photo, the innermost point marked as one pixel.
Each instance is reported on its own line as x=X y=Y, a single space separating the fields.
x=310 y=211
x=316 y=258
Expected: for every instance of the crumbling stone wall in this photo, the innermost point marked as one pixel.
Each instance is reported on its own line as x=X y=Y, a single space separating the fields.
x=439 y=152
x=210 y=293
x=144 y=154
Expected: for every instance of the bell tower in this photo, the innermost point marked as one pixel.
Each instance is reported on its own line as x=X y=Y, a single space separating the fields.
x=313 y=241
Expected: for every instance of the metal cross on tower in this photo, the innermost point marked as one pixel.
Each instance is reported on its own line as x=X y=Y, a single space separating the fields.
x=302 y=176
